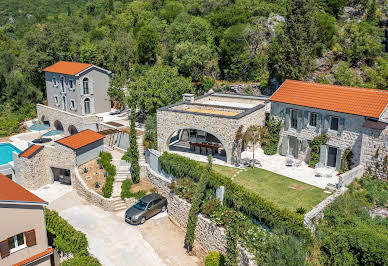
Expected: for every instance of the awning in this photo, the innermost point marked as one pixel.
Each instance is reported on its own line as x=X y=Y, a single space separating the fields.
x=374 y=124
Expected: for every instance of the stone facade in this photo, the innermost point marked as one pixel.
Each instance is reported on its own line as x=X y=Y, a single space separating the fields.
x=224 y=128
x=36 y=171
x=351 y=133
x=88 y=194
x=61 y=98
x=67 y=119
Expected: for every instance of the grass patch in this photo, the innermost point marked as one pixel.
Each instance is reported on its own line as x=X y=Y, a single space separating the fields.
x=286 y=192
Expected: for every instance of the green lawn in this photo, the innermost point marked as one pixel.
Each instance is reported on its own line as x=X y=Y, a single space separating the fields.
x=285 y=192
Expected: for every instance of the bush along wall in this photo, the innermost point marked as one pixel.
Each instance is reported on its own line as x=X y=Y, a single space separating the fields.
x=126 y=191
x=110 y=169
x=66 y=239
x=236 y=196
x=195 y=205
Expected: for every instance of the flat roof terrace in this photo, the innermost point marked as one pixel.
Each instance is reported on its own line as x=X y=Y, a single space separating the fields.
x=217 y=114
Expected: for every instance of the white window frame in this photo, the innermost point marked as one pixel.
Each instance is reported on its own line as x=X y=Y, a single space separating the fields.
x=56 y=100
x=83 y=89
x=90 y=106
x=63 y=88
x=73 y=83
x=17 y=246
x=73 y=105
x=55 y=82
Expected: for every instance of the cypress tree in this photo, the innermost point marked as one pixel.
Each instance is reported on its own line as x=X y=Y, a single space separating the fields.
x=292 y=52
x=133 y=151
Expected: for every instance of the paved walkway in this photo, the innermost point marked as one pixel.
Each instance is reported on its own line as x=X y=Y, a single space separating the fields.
x=114 y=242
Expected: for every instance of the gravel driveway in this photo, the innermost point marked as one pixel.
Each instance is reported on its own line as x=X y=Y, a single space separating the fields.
x=114 y=242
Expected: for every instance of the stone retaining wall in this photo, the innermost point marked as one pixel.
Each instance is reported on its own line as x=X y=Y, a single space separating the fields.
x=89 y=195
x=346 y=178
x=207 y=234
x=316 y=213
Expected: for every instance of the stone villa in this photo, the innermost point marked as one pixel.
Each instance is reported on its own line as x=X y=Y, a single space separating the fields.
x=354 y=118
x=23 y=238
x=76 y=92
x=208 y=123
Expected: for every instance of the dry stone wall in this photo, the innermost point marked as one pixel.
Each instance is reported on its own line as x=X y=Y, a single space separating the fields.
x=89 y=195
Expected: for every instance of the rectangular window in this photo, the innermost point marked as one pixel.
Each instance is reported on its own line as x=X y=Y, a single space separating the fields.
x=54 y=82
x=17 y=242
x=334 y=123
x=56 y=100
x=71 y=86
x=313 y=119
x=294 y=118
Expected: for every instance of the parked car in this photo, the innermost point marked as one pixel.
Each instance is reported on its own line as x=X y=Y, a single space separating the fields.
x=145 y=208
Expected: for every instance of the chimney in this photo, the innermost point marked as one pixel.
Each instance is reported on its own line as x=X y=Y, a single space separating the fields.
x=188 y=97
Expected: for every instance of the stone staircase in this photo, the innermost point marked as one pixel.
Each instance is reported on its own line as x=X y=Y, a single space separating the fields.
x=141 y=150
x=119 y=204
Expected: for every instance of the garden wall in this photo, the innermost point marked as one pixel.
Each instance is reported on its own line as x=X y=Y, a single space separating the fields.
x=208 y=235
x=317 y=212
x=348 y=177
x=89 y=195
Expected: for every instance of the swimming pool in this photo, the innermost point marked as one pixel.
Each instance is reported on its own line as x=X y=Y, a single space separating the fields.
x=6 y=150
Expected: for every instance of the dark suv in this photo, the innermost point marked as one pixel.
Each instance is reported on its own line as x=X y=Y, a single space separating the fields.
x=145 y=208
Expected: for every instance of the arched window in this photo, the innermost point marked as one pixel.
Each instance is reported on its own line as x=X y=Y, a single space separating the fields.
x=87 y=106
x=62 y=84
x=85 y=83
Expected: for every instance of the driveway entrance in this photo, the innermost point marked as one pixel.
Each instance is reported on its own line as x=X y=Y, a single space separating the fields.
x=112 y=240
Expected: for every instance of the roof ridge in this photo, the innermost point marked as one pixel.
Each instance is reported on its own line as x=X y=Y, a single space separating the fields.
x=337 y=86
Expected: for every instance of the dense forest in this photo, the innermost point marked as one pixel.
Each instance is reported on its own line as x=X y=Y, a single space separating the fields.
x=159 y=49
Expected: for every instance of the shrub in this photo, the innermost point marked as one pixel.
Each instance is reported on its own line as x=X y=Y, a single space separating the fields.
x=315 y=146
x=301 y=210
x=346 y=161
x=126 y=191
x=270 y=136
x=195 y=205
x=81 y=261
x=110 y=173
x=214 y=258
x=236 y=196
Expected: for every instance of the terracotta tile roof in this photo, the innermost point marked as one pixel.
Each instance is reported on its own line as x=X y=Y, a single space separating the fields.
x=68 y=68
x=10 y=191
x=48 y=251
x=81 y=139
x=31 y=151
x=351 y=100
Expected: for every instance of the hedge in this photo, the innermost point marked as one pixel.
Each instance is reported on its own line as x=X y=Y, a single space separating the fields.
x=236 y=196
x=105 y=161
x=66 y=238
x=81 y=260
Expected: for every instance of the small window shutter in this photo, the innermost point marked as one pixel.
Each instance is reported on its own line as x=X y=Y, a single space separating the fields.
x=91 y=86
x=30 y=238
x=4 y=248
x=284 y=149
x=341 y=125
x=338 y=159
x=92 y=109
x=300 y=120
x=306 y=119
x=287 y=119
x=323 y=155
x=326 y=123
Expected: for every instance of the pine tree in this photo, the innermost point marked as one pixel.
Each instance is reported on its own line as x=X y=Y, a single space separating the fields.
x=293 y=51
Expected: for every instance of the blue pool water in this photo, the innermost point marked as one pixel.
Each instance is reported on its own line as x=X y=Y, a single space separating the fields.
x=6 y=150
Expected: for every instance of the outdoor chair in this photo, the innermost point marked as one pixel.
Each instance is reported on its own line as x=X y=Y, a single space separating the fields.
x=289 y=162
x=298 y=163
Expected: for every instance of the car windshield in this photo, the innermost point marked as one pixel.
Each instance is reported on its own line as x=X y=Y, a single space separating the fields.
x=140 y=205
